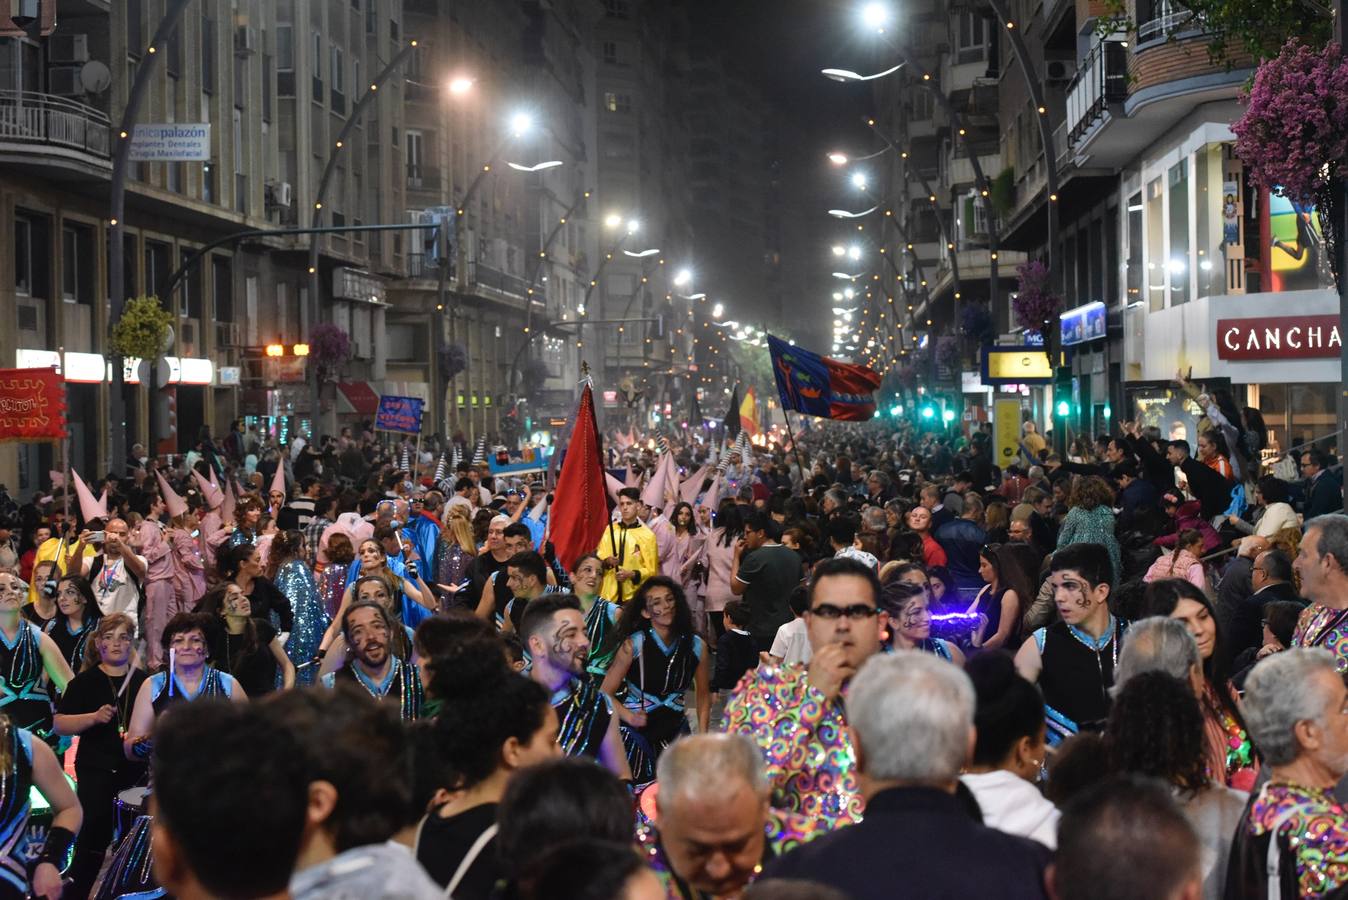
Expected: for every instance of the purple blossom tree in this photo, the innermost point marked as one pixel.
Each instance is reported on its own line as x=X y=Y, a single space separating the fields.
x=1034 y=304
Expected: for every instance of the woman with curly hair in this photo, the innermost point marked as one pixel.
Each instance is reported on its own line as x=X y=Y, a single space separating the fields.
x=492 y=722
x=1156 y=729
x=1090 y=519
x=1230 y=754
x=657 y=656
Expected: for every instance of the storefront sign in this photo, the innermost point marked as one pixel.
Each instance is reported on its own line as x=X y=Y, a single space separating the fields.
x=172 y=141
x=32 y=405
x=401 y=414
x=1279 y=337
x=1006 y=429
x=1082 y=324
x=1019 y=364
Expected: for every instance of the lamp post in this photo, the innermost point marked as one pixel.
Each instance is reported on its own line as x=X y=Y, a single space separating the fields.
x=121 y=158
x=325 y=180
x=519 y=125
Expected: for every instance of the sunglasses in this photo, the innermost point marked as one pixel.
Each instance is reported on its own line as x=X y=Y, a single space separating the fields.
x=856 y=611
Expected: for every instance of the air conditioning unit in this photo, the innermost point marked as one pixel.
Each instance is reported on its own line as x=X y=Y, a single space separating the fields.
x=246 y=40
x=280 y=194
x=1058 y=71
x=64 y=81
x=68 y=48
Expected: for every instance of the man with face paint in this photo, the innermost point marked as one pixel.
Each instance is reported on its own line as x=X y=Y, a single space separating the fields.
x=1073 y=660
x=369 y=631
x=628 y=550
x=553 y=631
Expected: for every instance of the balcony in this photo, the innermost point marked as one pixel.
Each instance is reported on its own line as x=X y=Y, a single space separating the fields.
x=1101 y=80
x=423 y=178
x=70 y=133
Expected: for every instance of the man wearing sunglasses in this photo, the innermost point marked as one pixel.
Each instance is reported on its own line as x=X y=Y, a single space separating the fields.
x=796 y=712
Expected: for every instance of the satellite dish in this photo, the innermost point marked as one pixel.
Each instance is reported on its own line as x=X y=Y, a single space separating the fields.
x=169 y=337
x=95 y=77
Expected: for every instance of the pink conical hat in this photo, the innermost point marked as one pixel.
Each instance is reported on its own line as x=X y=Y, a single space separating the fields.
x=613 y=485
x=692 y=485
x=227 y=505
x=714 y=491
x=175 y=504
x=89 y=507
x=209 y=489
x=278 y=481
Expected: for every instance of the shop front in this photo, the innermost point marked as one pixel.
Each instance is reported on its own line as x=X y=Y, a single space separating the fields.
x=1277 y=352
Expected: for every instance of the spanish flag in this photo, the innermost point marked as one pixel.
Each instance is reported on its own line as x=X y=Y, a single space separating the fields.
x=749 y=412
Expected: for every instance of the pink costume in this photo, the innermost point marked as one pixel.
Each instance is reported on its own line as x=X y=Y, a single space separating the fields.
x=664 y=540
x=160 y=602
x=189 y=570
x=720 y=556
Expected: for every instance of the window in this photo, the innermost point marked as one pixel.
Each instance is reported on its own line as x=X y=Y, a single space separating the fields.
x=222 y=289
x=207 y=55
x=618 y=9
x=971 y=36
x=1155 y=245
x=285 y=48
x=618 y=103
x=190 y=292
x=23 y=256
x=135 y=27
x=1133 y=282
x=414 y=158
x=317 y=67
x=1208 y=194
x=337 y=72
x=70 y=257
x=611 y=52
x=240 y=179
x=1178 y=262
x=268 y=85
x=157 y=268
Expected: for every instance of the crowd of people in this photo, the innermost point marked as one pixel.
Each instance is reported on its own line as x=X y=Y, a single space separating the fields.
x=875 y=657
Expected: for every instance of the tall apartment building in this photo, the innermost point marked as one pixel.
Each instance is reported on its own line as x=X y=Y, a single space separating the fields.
x=274 y=80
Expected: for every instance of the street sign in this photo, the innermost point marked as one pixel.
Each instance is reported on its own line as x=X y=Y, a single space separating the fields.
x=172 y=142
x=400 y=414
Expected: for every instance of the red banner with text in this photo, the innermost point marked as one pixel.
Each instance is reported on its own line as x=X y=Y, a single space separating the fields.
x=32 y=405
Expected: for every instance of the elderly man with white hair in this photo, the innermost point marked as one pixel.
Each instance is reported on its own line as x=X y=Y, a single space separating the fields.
x=1293 y=841
x=1159 y=644
x=715 y=829
x=912 y=717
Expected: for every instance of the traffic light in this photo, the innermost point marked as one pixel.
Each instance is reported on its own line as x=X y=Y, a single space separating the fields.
x=948 y=416
x=928 y=412
x=1064 y=408
x=896 y=411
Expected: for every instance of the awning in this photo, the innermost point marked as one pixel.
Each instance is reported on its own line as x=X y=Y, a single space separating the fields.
x=356 y=398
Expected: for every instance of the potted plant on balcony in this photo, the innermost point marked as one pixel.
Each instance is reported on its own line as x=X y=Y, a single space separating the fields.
x=330 y=349
x=1293 y=135
x=1034 y=304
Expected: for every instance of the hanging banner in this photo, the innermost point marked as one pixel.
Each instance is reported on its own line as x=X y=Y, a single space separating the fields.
x=32 y=405
x=400 y=414
x=1006 y=429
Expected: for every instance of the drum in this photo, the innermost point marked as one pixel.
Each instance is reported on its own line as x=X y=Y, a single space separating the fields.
x=130 y=804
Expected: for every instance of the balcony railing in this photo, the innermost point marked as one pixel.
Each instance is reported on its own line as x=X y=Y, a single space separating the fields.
x=1169 y=17
x=423 y=178
x=1101 y=80
x=35 y=118
x=485 y=276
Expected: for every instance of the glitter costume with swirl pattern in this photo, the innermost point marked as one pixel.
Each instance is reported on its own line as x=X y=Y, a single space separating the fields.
x=804 y=740
x=785 y=832
x=1322 y=626
x=311 y=619
x=1311 y=827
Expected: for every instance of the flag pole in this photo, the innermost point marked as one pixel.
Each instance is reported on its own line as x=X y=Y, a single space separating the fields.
x=795 y=448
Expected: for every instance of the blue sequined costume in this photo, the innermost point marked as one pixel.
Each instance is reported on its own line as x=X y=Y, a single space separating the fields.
x=14 y=809
x=296 y=581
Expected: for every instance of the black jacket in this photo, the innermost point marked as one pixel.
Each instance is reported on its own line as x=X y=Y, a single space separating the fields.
x=735 y=655
x=1323 y=495
x=1209 y=486
x=943 y=853
x=1243 y=616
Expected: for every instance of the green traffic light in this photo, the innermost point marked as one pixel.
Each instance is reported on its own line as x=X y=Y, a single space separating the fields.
x=928 y=412
x=896 y=411
x=1064 y=407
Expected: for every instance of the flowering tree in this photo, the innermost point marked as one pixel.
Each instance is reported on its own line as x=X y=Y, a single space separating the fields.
x=1034 y=304
x=330 y=348
x=1293 y=135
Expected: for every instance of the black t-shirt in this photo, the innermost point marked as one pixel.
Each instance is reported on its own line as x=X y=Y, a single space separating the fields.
x=255 y=671
x=770 y=573
x=101 y=746
x=29 y=612
x=445 y=842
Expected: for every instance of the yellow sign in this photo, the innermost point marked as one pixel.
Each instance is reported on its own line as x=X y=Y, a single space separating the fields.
x=1006 y=430
x=1019 y=364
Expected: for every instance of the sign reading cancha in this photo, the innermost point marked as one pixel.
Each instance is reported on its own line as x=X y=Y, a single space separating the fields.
x=1279 y=337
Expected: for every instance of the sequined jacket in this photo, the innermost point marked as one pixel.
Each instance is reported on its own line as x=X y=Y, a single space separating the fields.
x=1321 y=626
x=804 y=741
x=1311 y=831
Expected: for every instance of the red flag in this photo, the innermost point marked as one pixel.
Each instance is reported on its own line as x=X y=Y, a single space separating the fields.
x=581 y=509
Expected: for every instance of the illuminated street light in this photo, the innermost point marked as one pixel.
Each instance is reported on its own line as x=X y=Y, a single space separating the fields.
x=613 y=220
x=875 y=15
x=521 y=123
x=854 y=252
x=844 y=214
x=460 y=85
x=641 y=254
x=838 y=159
x=849 y=293
x=849 y=75
x=683 y=278
x=550 y=164
x=859 y=180
x=717 y=311
x=847 y=277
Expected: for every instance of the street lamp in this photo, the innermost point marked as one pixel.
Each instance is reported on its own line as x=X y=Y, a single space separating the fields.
x=460 y=85
x=849 y=75
x=844 y=214
x=683 y=278
x=521 y=123
x=875 y=15
x=858 y=180
x=550 y=164
x=717 y=311
x=641 y=254
x=847 y=277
